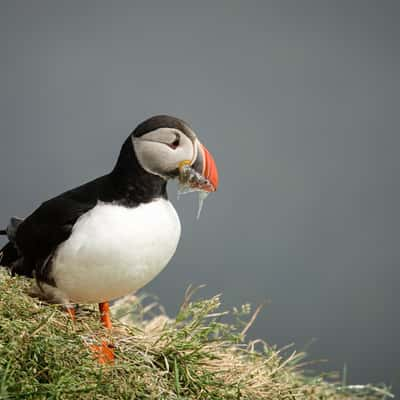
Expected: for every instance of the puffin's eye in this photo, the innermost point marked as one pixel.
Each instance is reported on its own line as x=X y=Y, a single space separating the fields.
x=175 y=143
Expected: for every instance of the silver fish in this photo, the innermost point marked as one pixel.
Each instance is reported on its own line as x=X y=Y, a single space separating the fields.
x=191 y=181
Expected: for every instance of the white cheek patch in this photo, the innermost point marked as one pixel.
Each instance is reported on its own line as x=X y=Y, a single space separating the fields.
x=187 y=149
x=155 y=154
x=152 y=156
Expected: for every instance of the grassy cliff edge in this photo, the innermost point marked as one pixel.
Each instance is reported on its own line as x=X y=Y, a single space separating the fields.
x=43 y=355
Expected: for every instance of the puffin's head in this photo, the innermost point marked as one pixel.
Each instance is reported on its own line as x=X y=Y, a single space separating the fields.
x=163 y=144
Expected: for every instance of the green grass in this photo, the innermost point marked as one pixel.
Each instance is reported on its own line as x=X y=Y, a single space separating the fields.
x=43 y=355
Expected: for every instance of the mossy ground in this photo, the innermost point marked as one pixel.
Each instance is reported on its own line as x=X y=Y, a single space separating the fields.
x=43 y=355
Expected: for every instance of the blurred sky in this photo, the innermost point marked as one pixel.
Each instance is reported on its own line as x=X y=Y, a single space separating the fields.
x=299 y=103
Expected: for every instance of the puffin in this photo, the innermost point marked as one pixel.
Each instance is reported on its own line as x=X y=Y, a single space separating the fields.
x=111 y=236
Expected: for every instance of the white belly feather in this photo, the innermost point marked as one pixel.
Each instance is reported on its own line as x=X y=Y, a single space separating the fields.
x=114 y=250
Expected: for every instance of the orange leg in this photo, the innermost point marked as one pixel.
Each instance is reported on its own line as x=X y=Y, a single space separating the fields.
x=105 y=315
x=104 y=352
x=71 y=311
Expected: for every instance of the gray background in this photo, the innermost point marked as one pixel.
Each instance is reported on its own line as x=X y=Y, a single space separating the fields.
x=299 y=103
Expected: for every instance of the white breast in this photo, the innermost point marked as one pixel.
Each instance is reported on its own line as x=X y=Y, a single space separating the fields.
x=115 y=250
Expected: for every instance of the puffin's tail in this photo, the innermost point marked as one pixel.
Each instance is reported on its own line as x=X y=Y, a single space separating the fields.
x=9 y=254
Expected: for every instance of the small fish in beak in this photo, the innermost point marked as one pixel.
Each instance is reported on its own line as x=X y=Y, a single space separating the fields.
x=191 y=181
x=200 y=176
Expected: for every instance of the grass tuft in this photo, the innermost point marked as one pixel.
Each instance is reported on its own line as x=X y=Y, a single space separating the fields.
x=43 y=355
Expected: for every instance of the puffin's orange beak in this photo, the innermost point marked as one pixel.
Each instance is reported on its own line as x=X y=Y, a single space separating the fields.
x=206 y=166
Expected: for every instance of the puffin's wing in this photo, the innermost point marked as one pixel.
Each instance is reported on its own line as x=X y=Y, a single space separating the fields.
x=40 y=233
